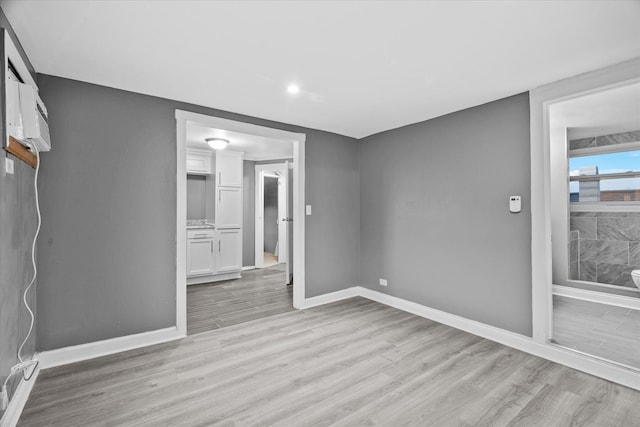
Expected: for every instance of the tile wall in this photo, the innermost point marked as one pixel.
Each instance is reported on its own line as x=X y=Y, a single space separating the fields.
x=604 y=247
x=604 y=140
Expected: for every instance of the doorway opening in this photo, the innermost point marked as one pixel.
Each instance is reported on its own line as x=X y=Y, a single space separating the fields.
x=219 y=279
x=271 y=246
x=583 y=215
x=595 y=220
x=273 y=217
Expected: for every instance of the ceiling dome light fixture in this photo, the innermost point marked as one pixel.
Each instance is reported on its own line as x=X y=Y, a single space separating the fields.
x=293 y=89
x=217 y=143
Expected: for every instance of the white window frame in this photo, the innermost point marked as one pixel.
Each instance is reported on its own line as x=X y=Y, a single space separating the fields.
x=592 y=206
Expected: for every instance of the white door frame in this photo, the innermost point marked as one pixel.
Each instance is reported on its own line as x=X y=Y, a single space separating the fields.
x=298 y=140
x=540 y=101
x=259 y=208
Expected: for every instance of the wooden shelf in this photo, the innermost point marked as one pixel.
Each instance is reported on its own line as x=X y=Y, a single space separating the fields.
x=21 y=152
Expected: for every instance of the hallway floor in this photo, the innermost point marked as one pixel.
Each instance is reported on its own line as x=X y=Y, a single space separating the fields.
x=259 y=293
x=601 y=330
x=270 y=260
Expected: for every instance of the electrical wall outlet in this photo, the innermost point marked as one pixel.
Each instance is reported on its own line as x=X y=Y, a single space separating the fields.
x=383 y=282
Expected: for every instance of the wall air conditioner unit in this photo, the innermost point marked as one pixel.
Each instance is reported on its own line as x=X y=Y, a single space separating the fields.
x=27 y=115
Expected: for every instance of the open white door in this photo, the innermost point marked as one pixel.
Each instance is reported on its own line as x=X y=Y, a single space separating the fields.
x=282 y=213
x=287 y=178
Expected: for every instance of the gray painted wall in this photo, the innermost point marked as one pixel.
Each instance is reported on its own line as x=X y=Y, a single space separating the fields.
x=434 y=213
x=109 y=212
x=270 y=214
x=335 y=224
x=248 y=214
x=17 y=228
x=196 y=197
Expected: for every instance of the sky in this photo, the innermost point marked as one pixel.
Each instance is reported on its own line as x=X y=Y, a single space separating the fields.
x=625 y=161
x=609 y=163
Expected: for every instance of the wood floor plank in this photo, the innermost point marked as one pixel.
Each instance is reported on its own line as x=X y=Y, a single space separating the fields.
x=601 y=330
x=354 y=362
x=259 y=293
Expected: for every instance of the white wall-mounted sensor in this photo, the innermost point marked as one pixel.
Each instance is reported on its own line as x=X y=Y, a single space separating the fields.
x=515 y=204
x=8 y=165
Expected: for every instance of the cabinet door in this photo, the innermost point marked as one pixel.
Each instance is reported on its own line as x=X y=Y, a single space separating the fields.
x=229 y=250
x=200 y=257
x=229 y=207
x=198 y=162
x=229 y=168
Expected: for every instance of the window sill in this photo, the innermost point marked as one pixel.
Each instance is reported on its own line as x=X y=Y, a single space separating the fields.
x=604 y=206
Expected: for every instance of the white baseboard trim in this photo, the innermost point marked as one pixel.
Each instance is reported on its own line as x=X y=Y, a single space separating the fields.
x=331 y=297
x=595 y=296
x=197 y=280
x=248 y=267
x=77 y=353
x=18 y=401
x=585 y=363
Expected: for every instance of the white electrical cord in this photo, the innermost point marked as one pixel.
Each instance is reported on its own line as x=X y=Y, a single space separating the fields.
x=33 y=262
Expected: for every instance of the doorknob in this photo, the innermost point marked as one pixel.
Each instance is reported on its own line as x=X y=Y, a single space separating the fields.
x=287 y=219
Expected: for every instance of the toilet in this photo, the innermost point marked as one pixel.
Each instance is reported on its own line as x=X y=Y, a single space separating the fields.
x=635 y=275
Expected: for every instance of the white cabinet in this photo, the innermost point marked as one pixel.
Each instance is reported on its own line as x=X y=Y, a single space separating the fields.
x=200 y=252
x=229 y=257
x=229 y=211
x=228 y=207
x=198 y=162
x=229 y=168
x=217 y=255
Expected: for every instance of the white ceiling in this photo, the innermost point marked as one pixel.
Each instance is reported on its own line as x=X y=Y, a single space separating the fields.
x=254 y=147
x=363 y=67
x=611 y=111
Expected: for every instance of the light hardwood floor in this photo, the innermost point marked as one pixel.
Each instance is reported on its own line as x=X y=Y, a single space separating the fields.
x=270 y=259
x=259 y=293
x=355 y=362
x=602 y=330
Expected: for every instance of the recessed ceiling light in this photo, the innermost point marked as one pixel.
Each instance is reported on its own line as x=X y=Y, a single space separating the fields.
x=217 y=143
x=293 y=89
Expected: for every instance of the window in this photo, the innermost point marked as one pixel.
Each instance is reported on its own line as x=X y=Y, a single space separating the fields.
x=608 y=177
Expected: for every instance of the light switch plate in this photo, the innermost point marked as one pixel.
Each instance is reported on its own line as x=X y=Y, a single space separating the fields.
x=308 y=209
x=8 y=165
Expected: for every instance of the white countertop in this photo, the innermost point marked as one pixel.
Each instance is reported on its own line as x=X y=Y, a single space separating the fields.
x=199 y=224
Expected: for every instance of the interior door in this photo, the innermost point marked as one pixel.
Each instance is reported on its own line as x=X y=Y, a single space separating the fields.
x=288 y=202
x=282 y=213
